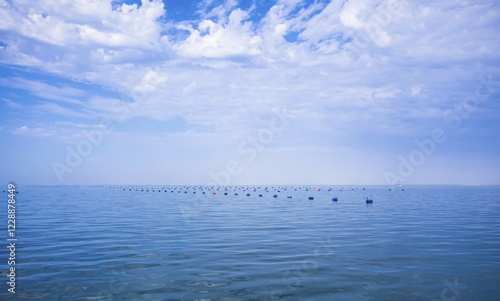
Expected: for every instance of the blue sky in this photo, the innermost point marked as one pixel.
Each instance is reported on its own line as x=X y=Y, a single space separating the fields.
x=250 y=92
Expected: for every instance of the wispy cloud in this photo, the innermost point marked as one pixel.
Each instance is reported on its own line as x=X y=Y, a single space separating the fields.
x=63 y=94
x=34 y=132
x=12 y=104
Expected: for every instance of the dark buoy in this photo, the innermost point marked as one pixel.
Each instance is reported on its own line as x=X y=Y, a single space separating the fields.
x=225 y=193
x=369 y=201
x=289 y=197
x=335 y=199
x=311 y=198
x=248 y=194
x=275 y=196
x=260 y=195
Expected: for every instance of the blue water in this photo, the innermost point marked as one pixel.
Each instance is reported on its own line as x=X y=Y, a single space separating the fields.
x=106 y=243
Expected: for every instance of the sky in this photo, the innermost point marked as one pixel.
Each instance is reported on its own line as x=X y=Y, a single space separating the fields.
x=227 y=92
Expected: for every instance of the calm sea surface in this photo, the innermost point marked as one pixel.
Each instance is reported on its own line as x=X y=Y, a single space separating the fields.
x=107 y=243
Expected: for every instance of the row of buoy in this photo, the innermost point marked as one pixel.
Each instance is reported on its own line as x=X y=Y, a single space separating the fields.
x=234 y=188
x=185 y=188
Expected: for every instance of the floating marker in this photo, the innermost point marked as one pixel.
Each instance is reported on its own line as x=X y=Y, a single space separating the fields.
x=335 y=199
x=260 y=195
x=275 y=196
x=311 y=198
x=289 y=197
x=369 y=201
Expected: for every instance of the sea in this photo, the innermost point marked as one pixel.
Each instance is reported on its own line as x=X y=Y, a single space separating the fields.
x=168 y=242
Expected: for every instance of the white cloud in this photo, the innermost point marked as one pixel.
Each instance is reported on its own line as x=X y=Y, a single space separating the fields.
x=34 y=132
x=231 y=36
x=70 y=23
x=228 y=71
x=12 y=104
x=56 y=109
x=63 y=94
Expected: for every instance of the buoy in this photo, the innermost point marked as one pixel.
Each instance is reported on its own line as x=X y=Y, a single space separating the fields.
x=225 y=193
x=214 y=192
x=248 y=194
x=311 y=198
x=369 y=201
x=260 y=195
x=275 y=196
x=289 y=197
x=335 y=199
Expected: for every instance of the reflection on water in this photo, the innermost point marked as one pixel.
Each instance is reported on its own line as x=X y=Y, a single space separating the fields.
x=176 y=243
